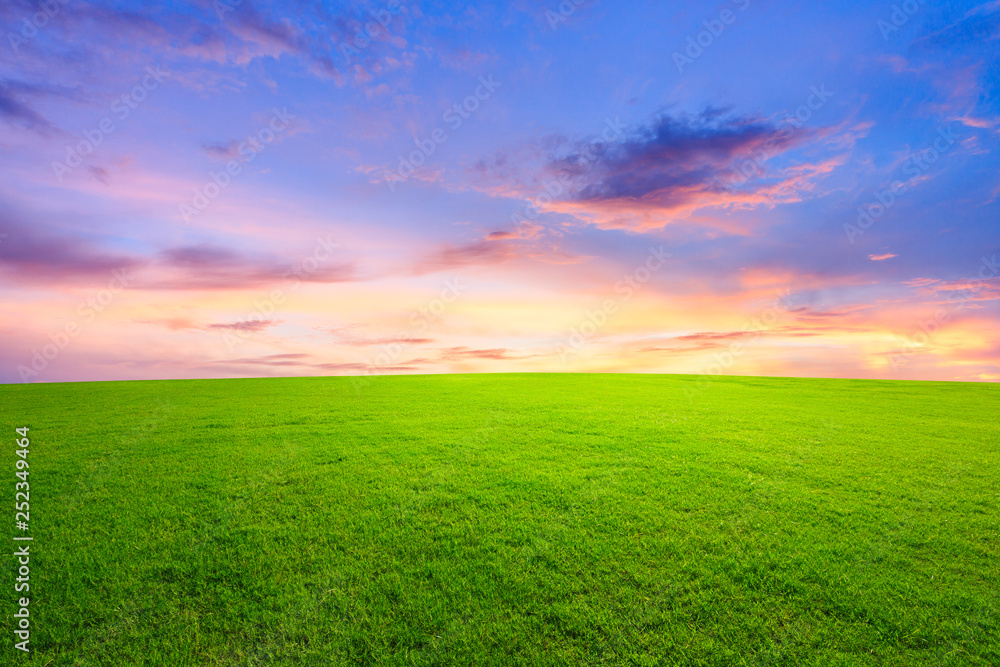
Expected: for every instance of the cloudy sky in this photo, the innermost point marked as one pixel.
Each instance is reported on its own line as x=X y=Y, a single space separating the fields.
x=240 y=188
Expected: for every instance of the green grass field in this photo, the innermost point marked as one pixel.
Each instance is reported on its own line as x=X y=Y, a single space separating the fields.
x=509 y=520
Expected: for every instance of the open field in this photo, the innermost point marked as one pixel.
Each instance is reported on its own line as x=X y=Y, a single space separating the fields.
x=510 y=520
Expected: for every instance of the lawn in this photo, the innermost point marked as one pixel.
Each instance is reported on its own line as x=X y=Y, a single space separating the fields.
x=523 y=519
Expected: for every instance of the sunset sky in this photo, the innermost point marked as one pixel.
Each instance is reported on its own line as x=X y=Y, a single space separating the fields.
x=237 y=188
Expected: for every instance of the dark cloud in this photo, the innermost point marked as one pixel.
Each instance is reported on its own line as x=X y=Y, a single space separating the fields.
x=273 y=360
x=14 y=110
x=645 y=176
x=307 y=361
x=225 y=151
x=251 y=326
x=671 y=162
x=463 y=353
x=213 y=267
x=39 y=254
x=480 y=252
x=389 y=341
x=201 y=257
x=717 y=335
x=365 y=369
x=707 y=340
x=809 y=314
x=237 y=33
x=99 y=174
x=35 y=254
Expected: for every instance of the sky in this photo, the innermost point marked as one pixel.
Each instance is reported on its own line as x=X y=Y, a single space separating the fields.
x=230 y=188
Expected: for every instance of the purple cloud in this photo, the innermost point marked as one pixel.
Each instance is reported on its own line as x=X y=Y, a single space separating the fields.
x=670 y=162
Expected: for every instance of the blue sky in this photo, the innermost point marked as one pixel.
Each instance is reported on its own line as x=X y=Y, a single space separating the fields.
x=744 y=139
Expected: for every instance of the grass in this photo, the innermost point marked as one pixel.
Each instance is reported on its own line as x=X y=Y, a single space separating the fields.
x=510 y=520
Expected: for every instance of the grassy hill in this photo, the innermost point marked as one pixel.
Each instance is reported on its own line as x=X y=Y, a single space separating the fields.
x=510 y=520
